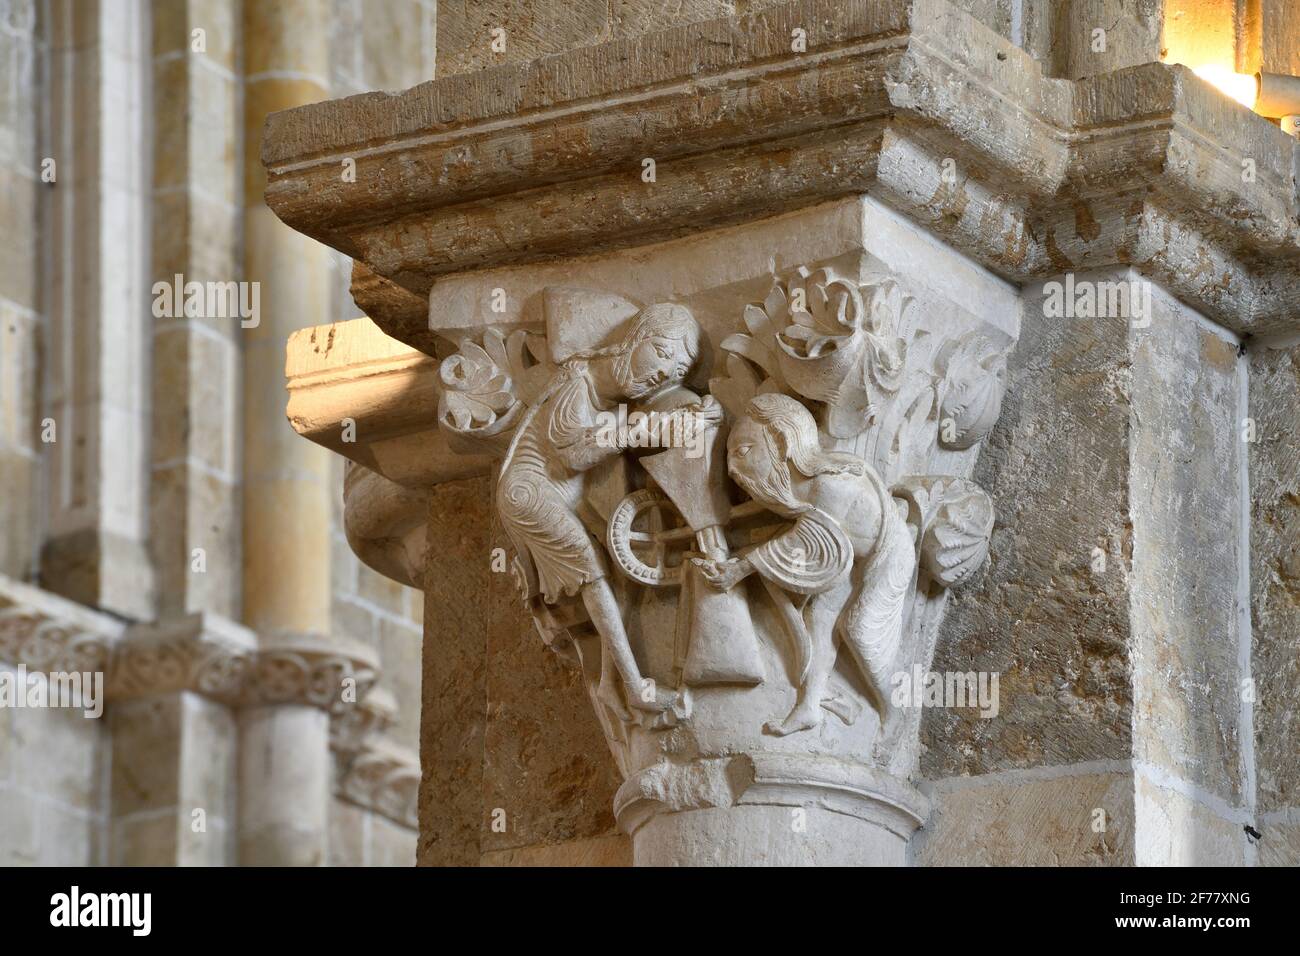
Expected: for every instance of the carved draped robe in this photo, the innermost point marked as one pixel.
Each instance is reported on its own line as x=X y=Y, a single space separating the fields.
x=851 y=551
x=540 y=496
x=540 y=492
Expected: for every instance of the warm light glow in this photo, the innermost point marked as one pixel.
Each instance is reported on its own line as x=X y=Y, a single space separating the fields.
x=1242 y=87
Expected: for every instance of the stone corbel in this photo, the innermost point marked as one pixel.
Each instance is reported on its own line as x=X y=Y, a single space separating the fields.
x=385 y=778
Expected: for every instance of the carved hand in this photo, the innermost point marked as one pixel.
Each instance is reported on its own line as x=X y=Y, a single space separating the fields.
x=724 y=575
x=709 y=410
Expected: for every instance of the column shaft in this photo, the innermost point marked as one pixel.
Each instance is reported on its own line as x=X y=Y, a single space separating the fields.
x=284 y=748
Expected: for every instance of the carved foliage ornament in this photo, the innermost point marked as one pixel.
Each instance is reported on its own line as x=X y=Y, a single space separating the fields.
x=792 y=549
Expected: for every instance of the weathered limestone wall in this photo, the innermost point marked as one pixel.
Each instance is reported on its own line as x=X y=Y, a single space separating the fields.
x=1057 y=633
x=532 y=29
x=1275 y=597
x=54 y=767
x=197 y=223
x=516 y=771
x=95 y=282
x=1121 y=667
x=173 y=789
x=1186 y=594
x=139 y=503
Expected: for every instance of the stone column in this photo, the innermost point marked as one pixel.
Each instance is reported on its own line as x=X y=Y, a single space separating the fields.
x=828 y=251
x=197 y=218
x=286 y=545
x=284 y=814
x=96 y=279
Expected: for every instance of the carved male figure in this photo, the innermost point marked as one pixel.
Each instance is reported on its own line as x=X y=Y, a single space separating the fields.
x=541 y=487
x=848 y=551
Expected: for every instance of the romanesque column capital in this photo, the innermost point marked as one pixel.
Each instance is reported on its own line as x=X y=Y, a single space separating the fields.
x=739 y=556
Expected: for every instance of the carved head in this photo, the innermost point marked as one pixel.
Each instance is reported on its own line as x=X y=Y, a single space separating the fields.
x=777 y=434
x=659 y=350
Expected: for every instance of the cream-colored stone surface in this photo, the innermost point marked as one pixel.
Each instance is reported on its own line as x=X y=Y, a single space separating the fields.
x=1174 y=829
x=171 y=808
x=1050 y=818
x=285 y=791
x=1274 y=463
x=1281 y=845
x=530 y=30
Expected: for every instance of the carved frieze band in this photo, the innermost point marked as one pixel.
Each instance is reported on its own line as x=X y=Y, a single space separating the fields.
x=198 y=653
x=222 y=661
x=37 y=642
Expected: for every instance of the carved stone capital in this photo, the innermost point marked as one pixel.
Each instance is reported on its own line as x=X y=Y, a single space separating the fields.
x=740 y=584
x=304 y=669
x=201 y=653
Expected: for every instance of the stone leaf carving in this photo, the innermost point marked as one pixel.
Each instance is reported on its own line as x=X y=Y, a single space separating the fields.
x=973 y=373
x=953 y=522
x=828 y=339
x=487 y=387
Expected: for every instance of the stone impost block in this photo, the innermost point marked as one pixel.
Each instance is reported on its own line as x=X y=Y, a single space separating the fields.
x=915 y=101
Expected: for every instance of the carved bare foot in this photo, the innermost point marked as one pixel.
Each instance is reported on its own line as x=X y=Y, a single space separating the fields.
x=805 y=716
